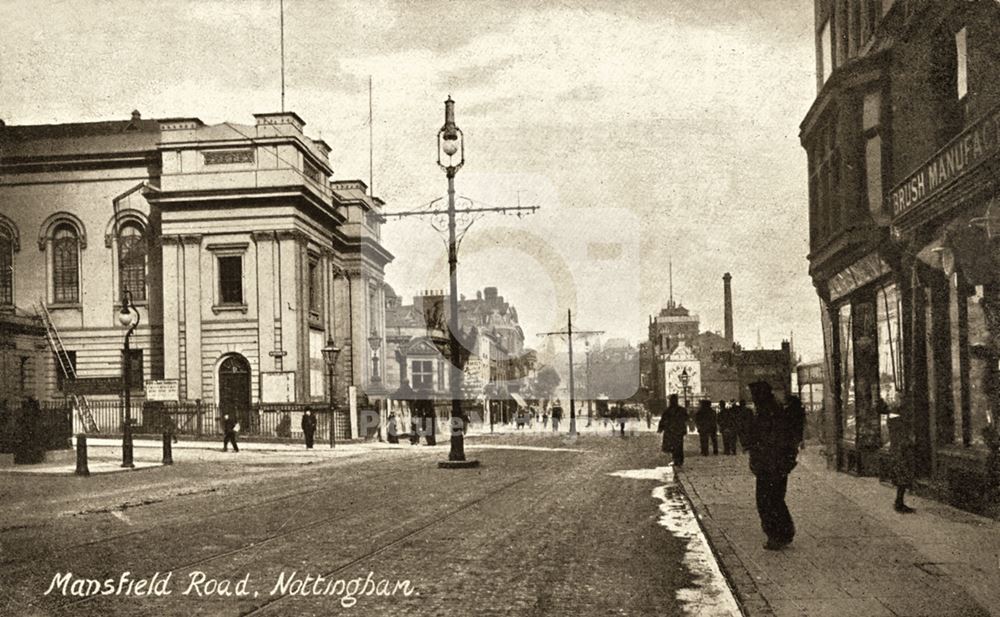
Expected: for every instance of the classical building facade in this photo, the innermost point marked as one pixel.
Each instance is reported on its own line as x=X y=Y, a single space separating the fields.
x=241 y=256
x=902 y=144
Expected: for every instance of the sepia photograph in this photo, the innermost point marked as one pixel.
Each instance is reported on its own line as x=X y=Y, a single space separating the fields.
x=439 y=308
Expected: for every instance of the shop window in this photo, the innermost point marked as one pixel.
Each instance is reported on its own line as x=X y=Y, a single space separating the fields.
x=848 y=418
x=890 y=353
x=65 y=265
x=422 y=374
x=132 y=262
x=982 y=308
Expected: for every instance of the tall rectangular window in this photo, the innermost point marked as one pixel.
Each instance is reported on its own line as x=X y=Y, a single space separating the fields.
x=963 y=63
x=6 y=270
x=231 y=279
x=870 y=121
x=65 y=265
x=826 y=50
x=315 y=287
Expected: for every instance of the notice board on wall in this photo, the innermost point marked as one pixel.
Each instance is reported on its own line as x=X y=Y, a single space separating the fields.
x=277 y=387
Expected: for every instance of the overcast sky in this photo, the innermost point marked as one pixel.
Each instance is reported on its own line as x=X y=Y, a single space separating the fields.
x=646 y=131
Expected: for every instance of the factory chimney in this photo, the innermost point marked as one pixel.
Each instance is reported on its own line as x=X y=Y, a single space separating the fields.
x=727 y=293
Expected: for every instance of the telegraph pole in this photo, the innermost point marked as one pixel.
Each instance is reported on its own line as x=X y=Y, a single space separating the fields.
x=568 y=333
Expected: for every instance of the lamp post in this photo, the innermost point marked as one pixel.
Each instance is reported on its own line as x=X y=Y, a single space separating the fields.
x=590 y=402
x=375 y=341
x=685 y=378
x=330 y=354
x=451 y=145
x=131 y=321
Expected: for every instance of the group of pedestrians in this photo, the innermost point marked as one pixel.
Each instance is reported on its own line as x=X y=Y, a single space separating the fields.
x=771 y=433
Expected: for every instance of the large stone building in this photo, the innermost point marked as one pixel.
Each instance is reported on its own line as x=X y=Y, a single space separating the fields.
x=903 y=146
x=242 y=257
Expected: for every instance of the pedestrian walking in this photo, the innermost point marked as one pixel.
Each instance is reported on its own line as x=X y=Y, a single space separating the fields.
x=622 y=419
x=673 y=425
x=309 y=427
x=902 y=446
x=729 y=427
x=708 y=427
x=545 y=419
x=557 y=412
x=391 y=430
x=415 y=423
x=229 y=428
x=773 y=438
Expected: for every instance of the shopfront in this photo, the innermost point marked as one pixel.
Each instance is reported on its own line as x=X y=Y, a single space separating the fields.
x=864 y=312
x=947 y=219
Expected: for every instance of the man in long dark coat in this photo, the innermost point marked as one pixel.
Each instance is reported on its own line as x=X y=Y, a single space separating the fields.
x=729 y=427
x=773 y=439
x=309 y=427
x=708 y=427
x=673 y=425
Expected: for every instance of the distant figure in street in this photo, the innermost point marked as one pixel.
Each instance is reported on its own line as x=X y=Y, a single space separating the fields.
x=729 y=426
x=744 y=418
x=673 y=425
x=414 y=423
x=902 y=450
x=622 y=419
x=773 y=438
x=545 y=419
x=309 y=427
x=430 y=422
x=391 y=430
x=229 y=433
x=557 y=412
x=708 y=427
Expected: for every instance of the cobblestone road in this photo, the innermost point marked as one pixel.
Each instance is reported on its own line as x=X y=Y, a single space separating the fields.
x=532 y=532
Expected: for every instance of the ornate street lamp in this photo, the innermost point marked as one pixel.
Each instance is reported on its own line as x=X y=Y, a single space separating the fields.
x=451 y=147
x=128 y=317
x=375 y=341
x=685 y=378
x=330 y=354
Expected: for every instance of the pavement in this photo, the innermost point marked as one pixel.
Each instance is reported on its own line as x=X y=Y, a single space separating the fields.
x=852 y=554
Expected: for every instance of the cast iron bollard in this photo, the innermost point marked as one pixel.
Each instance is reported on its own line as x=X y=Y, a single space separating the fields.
x=81 y=455
x=168 y=454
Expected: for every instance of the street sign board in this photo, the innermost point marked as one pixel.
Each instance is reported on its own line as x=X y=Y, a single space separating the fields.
x=87 y=386
x=162 y=390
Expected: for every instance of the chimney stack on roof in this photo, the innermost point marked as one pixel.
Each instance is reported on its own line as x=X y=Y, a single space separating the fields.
x=727 y=299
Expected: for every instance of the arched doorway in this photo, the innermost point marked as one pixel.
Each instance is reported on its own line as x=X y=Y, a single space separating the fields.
x=234 y=389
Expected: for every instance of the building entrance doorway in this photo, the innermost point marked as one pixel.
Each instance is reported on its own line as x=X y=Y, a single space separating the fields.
x=234 y=389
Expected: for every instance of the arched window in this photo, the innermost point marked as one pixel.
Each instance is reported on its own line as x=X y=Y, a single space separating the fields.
x=132 y=261
x=6 y=268
x=65 y=265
